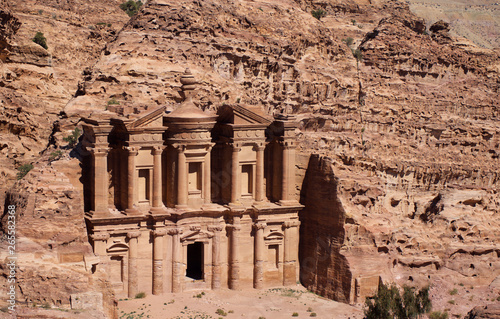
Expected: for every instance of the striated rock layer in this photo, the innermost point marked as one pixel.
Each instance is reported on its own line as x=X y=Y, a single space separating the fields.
x=405 y=184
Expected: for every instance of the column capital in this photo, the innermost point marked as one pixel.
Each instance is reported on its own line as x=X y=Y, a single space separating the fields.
x=133 y=234
x=259 y=225
x=158 y=149
x=235 y=147
x=234 y=227
x=174 y=231
x=287 y=144
x=291 y=223
x=98 y=151
x=195 y=228
x=132 y=150
x=215 y=228
x=100 y=236
x=179 y=147
x=260 y=146
x=159 y=232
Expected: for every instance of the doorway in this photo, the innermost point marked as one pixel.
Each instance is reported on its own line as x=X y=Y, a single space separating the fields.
x=194 y=268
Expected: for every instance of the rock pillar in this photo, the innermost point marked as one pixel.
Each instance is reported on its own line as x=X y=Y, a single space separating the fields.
x=157 y=192
x=182 y=185
x=100 y=181
x=290 y=252
x=216 y=271
x=259 y=174
x=176 y=259
x=131 y=178
x=158 y=261
x=234 y=260
x=133 y=284
x=235 y=174
x=259 y=246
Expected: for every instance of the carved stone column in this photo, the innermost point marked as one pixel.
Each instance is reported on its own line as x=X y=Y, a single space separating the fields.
x=259 y=246
x=216 y=271
x=100 y=239
x=234 y=260
x=158 y=260
x=288 y=178
x=207 y=192
x=182 y=184
x=259 y=174
x=157 y=193
x=176 y=259
x=101 y=180
x=133 y=285
x=291 y=241
x=235 y=174
x=131 y=178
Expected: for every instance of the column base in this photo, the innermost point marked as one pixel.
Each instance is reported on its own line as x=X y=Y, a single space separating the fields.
x=98 y=214
x=181 y=206
x=236 y=205
x=209 y=206
x=132 y=212
x=157 y=210
x=261 y=203
x=290 y=202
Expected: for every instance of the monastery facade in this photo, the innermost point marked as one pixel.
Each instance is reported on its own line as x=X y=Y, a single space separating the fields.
x=188 y=200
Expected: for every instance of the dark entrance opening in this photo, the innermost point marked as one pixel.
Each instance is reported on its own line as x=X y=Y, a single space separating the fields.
x=195 y=261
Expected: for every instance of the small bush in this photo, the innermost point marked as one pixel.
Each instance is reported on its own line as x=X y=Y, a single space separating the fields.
x=221 y=312
x=309 y=309
x=357 y=54
x=438 y=315
x=349 y=41
x=318 y=14
x=23 y=170
x=453 y=292
x=131 y=7
x=40 y=40
x=262 y=317
x=295 y=314
x=113 y=101
x=451 y=302
x=55 y=155
x=140 y=295
x=46 y=305
x=313 y=314
x=72 y=139
x=353 y=22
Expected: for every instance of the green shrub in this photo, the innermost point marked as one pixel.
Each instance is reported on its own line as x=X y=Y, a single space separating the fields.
x=357 y=54
x=313 y=314
x=389 y=303
x=438 y=315
x=349 y=41
x=23 y=170
x=353 y=22
x=131 y=7
x=113 y=101
x=140 y=295
x=295 y=314
x=318 y=14
x=40 y=40
x=451 y=302
x=55 y=155
x=72 y=139
x=221 y=312
x=453 y=292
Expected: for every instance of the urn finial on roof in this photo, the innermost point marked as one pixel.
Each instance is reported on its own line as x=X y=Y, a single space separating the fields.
x=188 y=84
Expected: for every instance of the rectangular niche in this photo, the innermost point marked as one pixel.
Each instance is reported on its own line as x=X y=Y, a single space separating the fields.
x=195 y=178
x=144 y=185
x=273 y=256
x=246 y=180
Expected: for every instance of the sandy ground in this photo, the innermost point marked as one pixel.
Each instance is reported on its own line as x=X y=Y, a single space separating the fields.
x=274 y=303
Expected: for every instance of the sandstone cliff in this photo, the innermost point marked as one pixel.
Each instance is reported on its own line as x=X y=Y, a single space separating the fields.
x=408 y=118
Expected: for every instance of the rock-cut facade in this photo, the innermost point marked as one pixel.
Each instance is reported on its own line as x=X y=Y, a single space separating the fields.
x=188 y=199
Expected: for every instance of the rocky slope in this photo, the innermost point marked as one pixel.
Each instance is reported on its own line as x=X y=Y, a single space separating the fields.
x=36 y=84
x=408 y=130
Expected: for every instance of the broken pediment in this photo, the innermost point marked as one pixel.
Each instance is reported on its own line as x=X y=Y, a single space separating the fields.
x=151 y=119
x=240 y=115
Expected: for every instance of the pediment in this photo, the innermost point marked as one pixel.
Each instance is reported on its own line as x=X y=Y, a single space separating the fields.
x=240 y=115
x=151 y=119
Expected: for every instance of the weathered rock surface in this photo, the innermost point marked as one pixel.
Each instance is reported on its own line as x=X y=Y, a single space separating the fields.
x=491 y=311
x=411 y=129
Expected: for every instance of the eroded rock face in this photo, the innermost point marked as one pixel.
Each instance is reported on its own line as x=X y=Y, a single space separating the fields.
x=491 y=311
